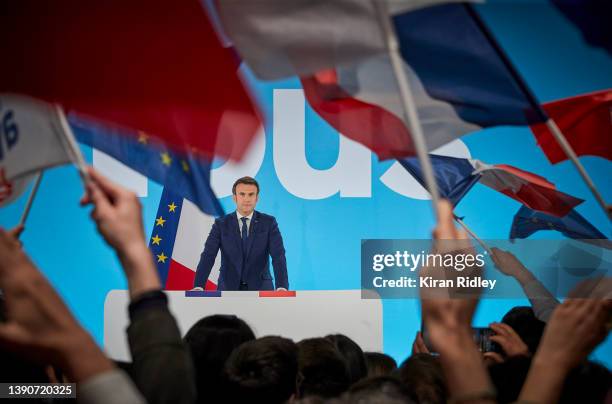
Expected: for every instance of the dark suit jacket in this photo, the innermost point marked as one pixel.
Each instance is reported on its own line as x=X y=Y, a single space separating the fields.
x=253 y=266
x=162 y=366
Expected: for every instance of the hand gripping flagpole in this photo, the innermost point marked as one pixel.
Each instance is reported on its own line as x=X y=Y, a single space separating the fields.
x=550 y=123
x=26 y=210
x=408 y=104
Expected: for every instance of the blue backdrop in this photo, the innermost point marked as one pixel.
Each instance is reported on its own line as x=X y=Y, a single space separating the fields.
x=322 y=234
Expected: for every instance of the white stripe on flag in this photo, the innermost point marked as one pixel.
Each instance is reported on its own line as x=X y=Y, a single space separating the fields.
x=373 y=82
x=281 y=38
x=193 y=229
x=119 y=172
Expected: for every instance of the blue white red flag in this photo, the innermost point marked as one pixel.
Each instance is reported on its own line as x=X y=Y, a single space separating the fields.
x=177 y=239
x=460 y=79
x=456 y=176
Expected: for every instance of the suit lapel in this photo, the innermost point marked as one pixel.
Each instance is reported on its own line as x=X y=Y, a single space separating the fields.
x=251 y=234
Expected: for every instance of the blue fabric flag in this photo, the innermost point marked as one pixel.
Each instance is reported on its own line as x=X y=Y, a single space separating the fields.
x=164 y=231
x=184 y=174
x=453 y=175
x=459 y=62
x=573 y=225
x=592 y=18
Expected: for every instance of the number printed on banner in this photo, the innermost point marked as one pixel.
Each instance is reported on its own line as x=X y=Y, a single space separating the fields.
x=9 y=131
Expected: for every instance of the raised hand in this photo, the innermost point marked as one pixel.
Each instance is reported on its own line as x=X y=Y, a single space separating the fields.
x=509 y=340
x=39 y=325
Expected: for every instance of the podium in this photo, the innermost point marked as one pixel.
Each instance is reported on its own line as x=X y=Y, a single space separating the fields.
x=296 y=315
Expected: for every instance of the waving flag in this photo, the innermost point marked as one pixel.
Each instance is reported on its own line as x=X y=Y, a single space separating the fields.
x=573 y=225
x=592 y=18
x=456 y=176
x=586 y=122
x=529 y=189
x=177 y=240
x=280 y=38
x=186 y=174
x=460 y=83
x=145 y=65
x=32 y=140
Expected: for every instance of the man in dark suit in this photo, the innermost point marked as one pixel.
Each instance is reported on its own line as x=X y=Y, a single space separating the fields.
x=247 y=239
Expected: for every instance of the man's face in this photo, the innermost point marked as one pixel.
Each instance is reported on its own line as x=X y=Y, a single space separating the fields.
x=245 y=198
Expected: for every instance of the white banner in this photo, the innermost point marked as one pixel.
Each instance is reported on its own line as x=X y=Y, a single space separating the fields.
x=31 y=139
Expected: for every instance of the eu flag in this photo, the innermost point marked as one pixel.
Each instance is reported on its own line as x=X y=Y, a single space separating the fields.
x=186 y=174
x=573 y=225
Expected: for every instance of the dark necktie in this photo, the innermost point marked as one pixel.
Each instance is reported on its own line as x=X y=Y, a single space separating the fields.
x=245 y=232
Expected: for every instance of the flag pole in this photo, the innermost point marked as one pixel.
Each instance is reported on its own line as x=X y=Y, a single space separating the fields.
x=407 y=100
x=26 y=210
x=542 y=115
x=474 y=236
x=71 y=144
x=569 y=151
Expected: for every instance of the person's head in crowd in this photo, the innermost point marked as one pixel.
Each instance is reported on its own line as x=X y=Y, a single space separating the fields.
x=378 y=390
x=522 y=319
x=352 y=353
x=262 y=371
x=422 y=375
x=323 y=369
x=211 y=341
x=589 y=382
x=379 y=364
x=508 y=377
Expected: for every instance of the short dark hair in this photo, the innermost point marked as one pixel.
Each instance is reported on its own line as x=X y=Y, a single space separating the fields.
x=323 y=369
x=353 y=355
x=422 y=374
x=211 y=341
x=523 y=320
x=262 y=371
x=380 y=389
x=379 y=364
x=246 y=181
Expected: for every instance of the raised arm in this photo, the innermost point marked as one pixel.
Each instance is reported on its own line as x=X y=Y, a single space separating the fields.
x=448 y=321
x=542 y=301
x=40 y=326
x=576 y=327
x=162 y=366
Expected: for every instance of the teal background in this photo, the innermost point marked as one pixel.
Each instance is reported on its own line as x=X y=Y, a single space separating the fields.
x=322 y=237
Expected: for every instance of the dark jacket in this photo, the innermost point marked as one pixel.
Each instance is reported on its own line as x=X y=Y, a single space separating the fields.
x=253 y=265
x=162 y=367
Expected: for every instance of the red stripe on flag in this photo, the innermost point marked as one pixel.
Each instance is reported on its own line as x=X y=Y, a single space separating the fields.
x=538 y=193
x=586 y=122
x=181 y=278
x=142 y=64
x=374 y=127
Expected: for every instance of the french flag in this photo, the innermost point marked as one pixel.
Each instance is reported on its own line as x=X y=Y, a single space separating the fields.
x=177 y=240
x=456 y=176
x=586 y=122
x=460 y=79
